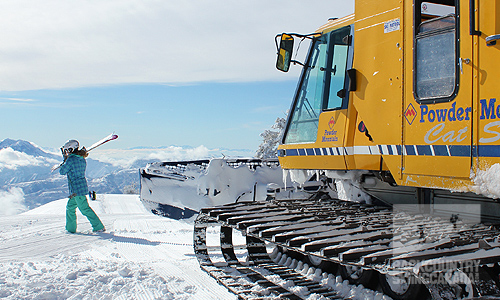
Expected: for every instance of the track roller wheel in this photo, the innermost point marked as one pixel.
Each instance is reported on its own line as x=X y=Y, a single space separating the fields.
x=357 y=275
x=318 y=262
x=314 y=260
x=401 y=287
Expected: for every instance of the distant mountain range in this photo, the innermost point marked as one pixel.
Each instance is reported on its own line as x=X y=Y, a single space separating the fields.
x=27 y=166
x=26 y=147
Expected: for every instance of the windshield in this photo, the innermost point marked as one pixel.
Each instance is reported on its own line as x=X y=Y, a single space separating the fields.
x=304 y=123
x=322 y=85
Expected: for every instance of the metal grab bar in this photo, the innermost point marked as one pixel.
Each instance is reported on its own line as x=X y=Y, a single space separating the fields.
x=472 y=19
x=492 y=39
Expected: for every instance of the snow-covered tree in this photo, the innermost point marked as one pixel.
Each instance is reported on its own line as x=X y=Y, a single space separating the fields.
x=271 y=138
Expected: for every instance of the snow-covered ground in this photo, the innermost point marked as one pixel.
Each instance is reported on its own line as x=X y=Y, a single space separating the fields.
x=141 y=256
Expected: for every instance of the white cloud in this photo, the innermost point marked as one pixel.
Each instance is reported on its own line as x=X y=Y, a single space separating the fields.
x=11 y=202
x=58 y=44
x=173 y=153
x=18 y=99
x=11 y=159
x=125 y=158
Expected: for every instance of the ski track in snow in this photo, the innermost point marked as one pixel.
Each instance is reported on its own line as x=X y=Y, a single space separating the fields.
x=140 y=256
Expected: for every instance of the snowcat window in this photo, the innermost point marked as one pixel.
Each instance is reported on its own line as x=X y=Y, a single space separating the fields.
x=303 y=125
x=339 y=47
x=436 y=57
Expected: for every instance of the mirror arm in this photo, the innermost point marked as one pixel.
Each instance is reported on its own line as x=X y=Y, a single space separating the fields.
x=296 y=62
x=306 y=36
x=284 y=49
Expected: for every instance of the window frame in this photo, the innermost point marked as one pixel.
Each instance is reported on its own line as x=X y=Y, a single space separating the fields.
x=326 y=87
x=417 y=25
x=349 y=61
x=305 y=75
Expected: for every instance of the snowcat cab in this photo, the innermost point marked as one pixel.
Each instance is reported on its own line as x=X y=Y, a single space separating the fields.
x=405 y=92
x=400 y=97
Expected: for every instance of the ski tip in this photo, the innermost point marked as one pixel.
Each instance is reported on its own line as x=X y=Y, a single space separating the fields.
x=114 y=136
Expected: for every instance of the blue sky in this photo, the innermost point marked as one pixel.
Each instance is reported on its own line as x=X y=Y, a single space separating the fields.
x=156 y=72
x=228 y=115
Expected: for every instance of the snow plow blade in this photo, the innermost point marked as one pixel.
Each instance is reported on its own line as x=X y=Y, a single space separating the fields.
x=179 y=189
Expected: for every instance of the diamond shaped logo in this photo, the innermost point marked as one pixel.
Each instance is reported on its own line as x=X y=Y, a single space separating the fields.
x=331 y=123
x=410 y=114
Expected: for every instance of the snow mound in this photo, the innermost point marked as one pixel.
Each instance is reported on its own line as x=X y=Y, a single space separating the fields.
x=79 y=277
x=140 y=256
x=487 y=182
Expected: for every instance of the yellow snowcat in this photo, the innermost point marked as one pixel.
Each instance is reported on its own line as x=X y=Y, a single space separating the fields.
x=399 y=100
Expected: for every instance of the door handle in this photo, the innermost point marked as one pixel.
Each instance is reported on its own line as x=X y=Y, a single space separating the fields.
x=492 y=39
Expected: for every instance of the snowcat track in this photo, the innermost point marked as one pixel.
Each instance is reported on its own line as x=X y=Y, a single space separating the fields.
x=242 y=278
x=345 y=233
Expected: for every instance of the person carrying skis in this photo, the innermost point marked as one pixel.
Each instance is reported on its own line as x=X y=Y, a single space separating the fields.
x=73 y=167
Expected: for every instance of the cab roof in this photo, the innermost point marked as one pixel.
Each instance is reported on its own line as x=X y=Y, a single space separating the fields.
x=335 y=23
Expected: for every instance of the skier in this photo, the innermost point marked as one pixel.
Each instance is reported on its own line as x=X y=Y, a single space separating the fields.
x=73 y=167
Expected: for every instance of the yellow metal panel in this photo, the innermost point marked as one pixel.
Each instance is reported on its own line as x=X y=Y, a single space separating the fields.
x=364 y=157
x=331 y=128
x=393 y=160
x=455 y=184
x=330 y=134
x=367 y=162
x=489 y=17
x=349 y=136
x=378 y=59
x=487 y=69
x=438 y=166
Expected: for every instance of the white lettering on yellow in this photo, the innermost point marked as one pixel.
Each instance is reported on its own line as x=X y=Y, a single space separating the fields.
x=487 y=129
x=460 y=132
x=435 y=133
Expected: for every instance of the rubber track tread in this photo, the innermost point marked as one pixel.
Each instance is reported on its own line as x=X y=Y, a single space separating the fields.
x=342 y=232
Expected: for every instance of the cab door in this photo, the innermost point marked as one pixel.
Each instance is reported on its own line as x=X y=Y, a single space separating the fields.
x=314 y=136
x=437 y=110
x=488 y=72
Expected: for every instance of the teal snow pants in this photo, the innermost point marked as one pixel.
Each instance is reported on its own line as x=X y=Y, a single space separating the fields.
x=83 y=206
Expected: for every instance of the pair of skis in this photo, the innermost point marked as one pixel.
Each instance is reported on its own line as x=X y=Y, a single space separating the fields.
x=103 y=141
x=95 y=145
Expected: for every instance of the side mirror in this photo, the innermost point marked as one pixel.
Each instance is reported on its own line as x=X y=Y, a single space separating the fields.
x=285 y=52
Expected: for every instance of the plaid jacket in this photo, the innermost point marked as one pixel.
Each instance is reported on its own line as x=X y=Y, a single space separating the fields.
x=74 y=168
